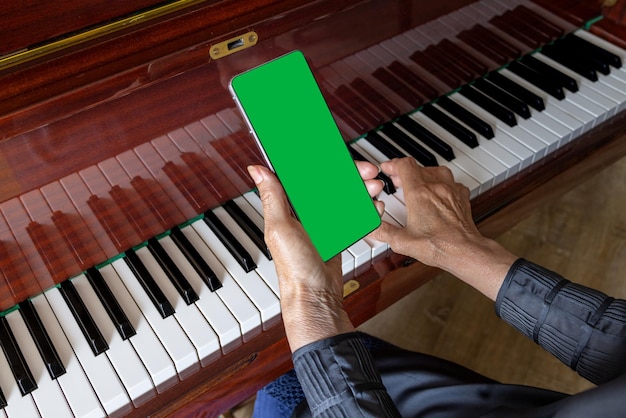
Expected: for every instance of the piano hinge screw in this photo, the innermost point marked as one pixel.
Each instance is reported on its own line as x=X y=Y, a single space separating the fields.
x=215 y=51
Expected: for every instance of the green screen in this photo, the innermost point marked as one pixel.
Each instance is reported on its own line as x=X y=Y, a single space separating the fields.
x=283 y=103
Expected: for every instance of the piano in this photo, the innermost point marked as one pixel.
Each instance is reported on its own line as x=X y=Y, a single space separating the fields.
x=134 y=280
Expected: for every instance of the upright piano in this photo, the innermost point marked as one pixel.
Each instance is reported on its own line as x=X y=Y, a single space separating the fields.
x=134 y=279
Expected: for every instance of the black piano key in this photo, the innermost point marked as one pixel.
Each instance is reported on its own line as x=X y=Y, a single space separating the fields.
x=537 y=79
x=205 y=272
x=421 y=154
x=230 y=242
x=550 y=72
x=17 y=363
x=46 y=349
x=383 y=146
x=427 y=137
x=586 y=57
x=3 y=400
x=173 y=273
x=466 y=117
x=592 y=49
x=579 y=63
x=389 y=188
x=151 y=288
x=248 y=226
x=503 y=97
x=112 y=307
x=83 y=318
x=446 y=122
x=522 y=93
x=491 y=106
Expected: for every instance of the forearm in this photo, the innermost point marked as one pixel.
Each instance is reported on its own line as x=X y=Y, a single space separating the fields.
x=582 y=327
x=480 y=262
x=338 y=378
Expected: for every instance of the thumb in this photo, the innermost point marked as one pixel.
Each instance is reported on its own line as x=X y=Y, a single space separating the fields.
x=386 y=232
x=275 y=205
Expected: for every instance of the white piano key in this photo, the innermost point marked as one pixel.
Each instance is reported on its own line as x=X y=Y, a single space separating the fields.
x=48 y=396
x=618 y=73
x=98 y=369
x=17 y=405
x=607 y=86
x=484 y=159
x=362 y=253
x=545 y=135
x=463 y=169
x=167 y=330
x=347 y=263
x=230 y=293
x=255 y=201
x=586 y=116
x=602 y=43
x=74 y=383
x=394 y=207
x=480 y=166
x=263 y=298
x=563 y=133
x=265 y=268
x=121 y=354
x=460 y=175
x=189 y=318
x=146 y=344
x=250 y=210
x=379 y=248
x=504 y=140
x=535 y=145
x=216 y=313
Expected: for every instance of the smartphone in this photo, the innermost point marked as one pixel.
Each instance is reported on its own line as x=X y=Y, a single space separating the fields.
x=295 y=130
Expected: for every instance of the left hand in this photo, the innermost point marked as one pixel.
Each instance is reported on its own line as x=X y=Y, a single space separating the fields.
x=311 y=291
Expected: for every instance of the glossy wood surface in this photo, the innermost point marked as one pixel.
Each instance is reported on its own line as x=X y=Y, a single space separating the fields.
x=142 y=123
x=167 y=119
x=32 y=22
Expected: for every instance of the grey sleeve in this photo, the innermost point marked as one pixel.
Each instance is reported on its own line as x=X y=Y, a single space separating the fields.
x=582 y=327
x=338 y=378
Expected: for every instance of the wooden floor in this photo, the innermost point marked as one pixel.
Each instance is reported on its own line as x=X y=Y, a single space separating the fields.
x=582 y=236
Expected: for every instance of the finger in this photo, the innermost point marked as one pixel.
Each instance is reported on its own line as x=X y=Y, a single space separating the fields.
x=380 y=207
x=367 y=170
x=405 y=172
x=374 y=187
x=385 y=232
x=275 y=205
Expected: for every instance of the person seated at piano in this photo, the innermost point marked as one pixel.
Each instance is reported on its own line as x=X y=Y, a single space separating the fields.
x=341 y=372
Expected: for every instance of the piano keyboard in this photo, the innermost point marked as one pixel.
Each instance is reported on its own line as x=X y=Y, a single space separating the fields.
x=114 y=336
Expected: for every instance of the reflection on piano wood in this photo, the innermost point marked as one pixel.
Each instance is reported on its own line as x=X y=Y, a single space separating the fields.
x=134 y=277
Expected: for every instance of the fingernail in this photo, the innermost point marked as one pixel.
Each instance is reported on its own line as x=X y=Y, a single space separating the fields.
x=255 y=174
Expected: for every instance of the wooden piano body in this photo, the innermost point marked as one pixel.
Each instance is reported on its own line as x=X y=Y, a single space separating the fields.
x=92 y=110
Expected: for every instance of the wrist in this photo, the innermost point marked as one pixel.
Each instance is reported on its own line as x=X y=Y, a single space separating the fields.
x=310 y=316
x=478 y=261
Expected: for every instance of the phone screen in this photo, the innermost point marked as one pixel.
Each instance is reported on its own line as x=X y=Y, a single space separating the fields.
x=299 y=138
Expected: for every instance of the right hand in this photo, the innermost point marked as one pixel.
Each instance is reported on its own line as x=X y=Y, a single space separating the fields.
x=440 y=230
x=438 y=212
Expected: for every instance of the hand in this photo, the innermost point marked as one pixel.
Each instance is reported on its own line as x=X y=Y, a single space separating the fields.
x=440 y=230
x=311 y=291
